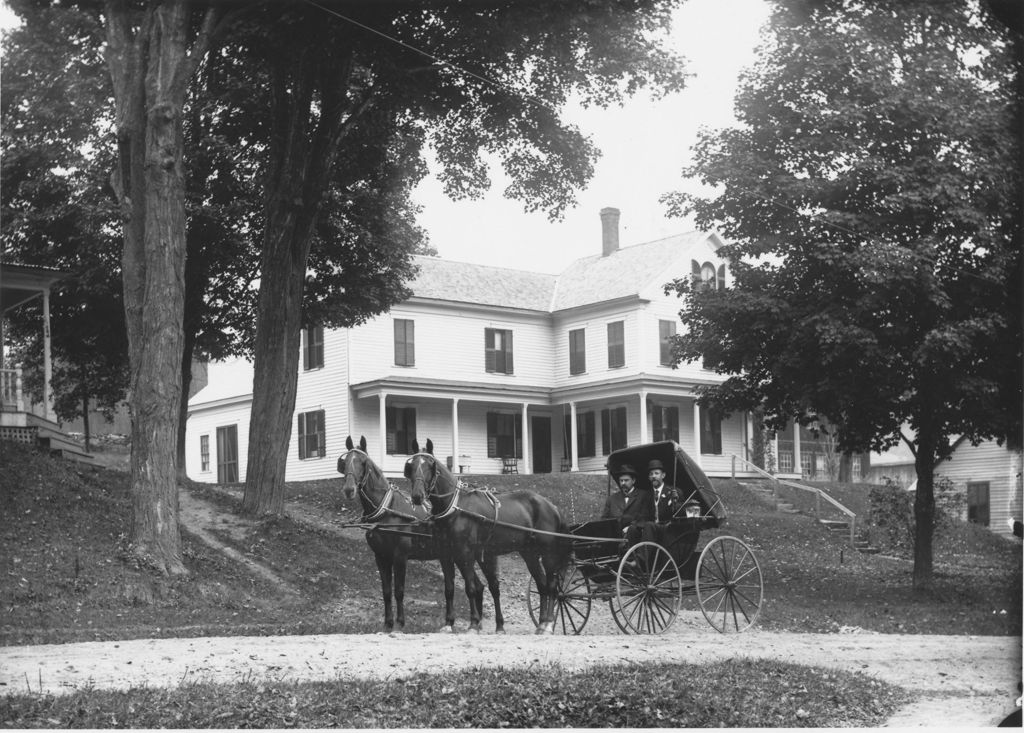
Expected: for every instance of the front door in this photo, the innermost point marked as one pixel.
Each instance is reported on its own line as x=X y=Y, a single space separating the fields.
x=540 y=445
x=227 y=454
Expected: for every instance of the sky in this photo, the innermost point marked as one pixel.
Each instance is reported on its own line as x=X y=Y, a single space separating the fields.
x=644 y=146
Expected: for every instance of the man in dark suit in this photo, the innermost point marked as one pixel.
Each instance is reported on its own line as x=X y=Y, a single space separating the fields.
x=664 y=500
x=629 y=504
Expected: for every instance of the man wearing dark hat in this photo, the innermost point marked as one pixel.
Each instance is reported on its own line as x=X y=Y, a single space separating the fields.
x=629 y=504
x=665 y=500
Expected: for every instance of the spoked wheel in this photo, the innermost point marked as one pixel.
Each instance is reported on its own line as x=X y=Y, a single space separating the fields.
x=730 y=589
x=648 y=590
x=573 y=601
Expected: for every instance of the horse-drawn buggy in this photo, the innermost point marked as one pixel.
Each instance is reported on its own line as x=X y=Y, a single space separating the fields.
x=643 y=581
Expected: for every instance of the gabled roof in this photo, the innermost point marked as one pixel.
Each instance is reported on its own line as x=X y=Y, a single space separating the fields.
x=464 y=282
x=628 y=271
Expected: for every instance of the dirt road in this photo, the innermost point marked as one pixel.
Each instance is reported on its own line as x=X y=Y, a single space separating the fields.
x=960 y=681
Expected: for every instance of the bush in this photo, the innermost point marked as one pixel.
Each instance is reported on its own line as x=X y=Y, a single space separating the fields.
x=892 y=512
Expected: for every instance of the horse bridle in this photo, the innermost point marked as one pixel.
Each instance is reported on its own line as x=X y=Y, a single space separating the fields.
x=385 y=503
x=431 y=490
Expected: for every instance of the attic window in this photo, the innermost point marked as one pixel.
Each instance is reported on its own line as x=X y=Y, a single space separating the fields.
x=706 y=277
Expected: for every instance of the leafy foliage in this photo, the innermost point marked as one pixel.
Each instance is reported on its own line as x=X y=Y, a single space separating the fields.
x=872 y=194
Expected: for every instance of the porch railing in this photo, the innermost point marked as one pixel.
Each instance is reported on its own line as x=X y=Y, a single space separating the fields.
x=819 y=495
x=11 y=397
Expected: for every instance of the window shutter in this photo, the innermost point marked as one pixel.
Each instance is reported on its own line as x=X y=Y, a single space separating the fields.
x=492 y=435
x=305 y=350
x=606 y=432
x=410 y=343
x=410 y=429
x=695 y=274
x=302 y=435
x=721 y=277
x=489 y=350
x=322 y=434
x=508 y=352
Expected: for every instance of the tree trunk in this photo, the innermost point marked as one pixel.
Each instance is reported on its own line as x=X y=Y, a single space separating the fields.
x=150 y=66
x=924 y=511
x=275 y=367
x=303 y=148
x=85 y=422
x=186 y=384
x=845 y=468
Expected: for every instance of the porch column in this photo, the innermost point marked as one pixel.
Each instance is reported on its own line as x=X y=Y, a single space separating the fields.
x=382 y=429
x=526 y=442
x=643 y=417
x=573 y=438
x=696 y=433
x=798 y=465
x=455 y=435
x=775 y=453
x=47 y=366
x=748 y=440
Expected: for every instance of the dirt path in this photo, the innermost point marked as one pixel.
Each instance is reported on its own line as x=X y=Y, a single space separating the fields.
x=962 y=681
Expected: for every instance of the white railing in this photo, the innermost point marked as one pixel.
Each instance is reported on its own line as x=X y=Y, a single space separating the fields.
x=11 y=396
x=818 y=493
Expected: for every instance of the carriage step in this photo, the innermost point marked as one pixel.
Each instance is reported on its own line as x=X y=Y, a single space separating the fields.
x=835 y=525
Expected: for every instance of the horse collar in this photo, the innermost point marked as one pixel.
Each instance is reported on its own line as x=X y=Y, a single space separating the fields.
x=453 y=505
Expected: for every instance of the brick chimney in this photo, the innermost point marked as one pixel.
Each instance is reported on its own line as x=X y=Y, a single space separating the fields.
x=609 y=231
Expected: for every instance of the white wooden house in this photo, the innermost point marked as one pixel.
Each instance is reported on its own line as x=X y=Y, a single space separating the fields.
x=502 y=369
x=989 y=476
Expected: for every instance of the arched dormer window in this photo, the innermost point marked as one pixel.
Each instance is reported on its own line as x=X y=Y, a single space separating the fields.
x=706 y=277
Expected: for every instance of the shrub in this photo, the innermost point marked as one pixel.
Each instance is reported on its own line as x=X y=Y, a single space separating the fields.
x=892 y=511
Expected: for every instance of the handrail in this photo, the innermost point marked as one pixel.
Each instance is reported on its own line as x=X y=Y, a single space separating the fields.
x=819 y=493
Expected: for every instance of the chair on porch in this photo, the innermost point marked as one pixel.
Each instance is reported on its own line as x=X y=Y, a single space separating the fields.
x=509 y=464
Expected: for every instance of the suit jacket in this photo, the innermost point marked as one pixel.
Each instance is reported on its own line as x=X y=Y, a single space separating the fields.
x=668 y=504
x=639 y=509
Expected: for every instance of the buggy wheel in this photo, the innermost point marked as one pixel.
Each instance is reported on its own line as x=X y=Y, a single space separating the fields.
x=730 y=588
x=572 y=601
x=648 y=590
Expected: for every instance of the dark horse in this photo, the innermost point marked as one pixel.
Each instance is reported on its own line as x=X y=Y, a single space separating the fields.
x=470 y=521
x=401 y=533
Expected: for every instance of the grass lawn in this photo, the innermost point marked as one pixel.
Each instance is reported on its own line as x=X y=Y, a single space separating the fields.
x=65 y=575
x=740 y=693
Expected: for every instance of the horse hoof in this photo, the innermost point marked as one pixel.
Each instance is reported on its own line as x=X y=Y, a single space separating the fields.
x=474 y=631
x=500 y=631
x=446 y=630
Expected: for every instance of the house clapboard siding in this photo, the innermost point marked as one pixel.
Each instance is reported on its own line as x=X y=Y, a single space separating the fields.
x=479 y=408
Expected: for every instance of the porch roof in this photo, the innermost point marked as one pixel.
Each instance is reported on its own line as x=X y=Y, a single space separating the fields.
x=20 y=283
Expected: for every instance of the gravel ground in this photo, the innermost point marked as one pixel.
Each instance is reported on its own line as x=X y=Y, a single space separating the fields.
x=960 y=681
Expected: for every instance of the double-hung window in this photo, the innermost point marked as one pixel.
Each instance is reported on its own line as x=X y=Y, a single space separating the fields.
x=665 y=421
x=204 y=453
x=585 y=436
x=711 y=433
x=613 y=429
x=503 y=438
x=405 y=342
x=312 y=348
x=616 y=345
x=312 y=435
x=666 y=330
x=498 y=350
x=578 y=351
x=400 y=426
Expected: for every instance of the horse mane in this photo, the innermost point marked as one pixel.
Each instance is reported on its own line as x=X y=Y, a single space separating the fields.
x=374 y=470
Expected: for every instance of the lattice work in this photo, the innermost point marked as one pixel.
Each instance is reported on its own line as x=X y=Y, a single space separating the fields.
x=19 y=435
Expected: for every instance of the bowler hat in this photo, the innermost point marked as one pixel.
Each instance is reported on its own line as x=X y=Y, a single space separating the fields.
x=625 y=470
x=655 y=464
